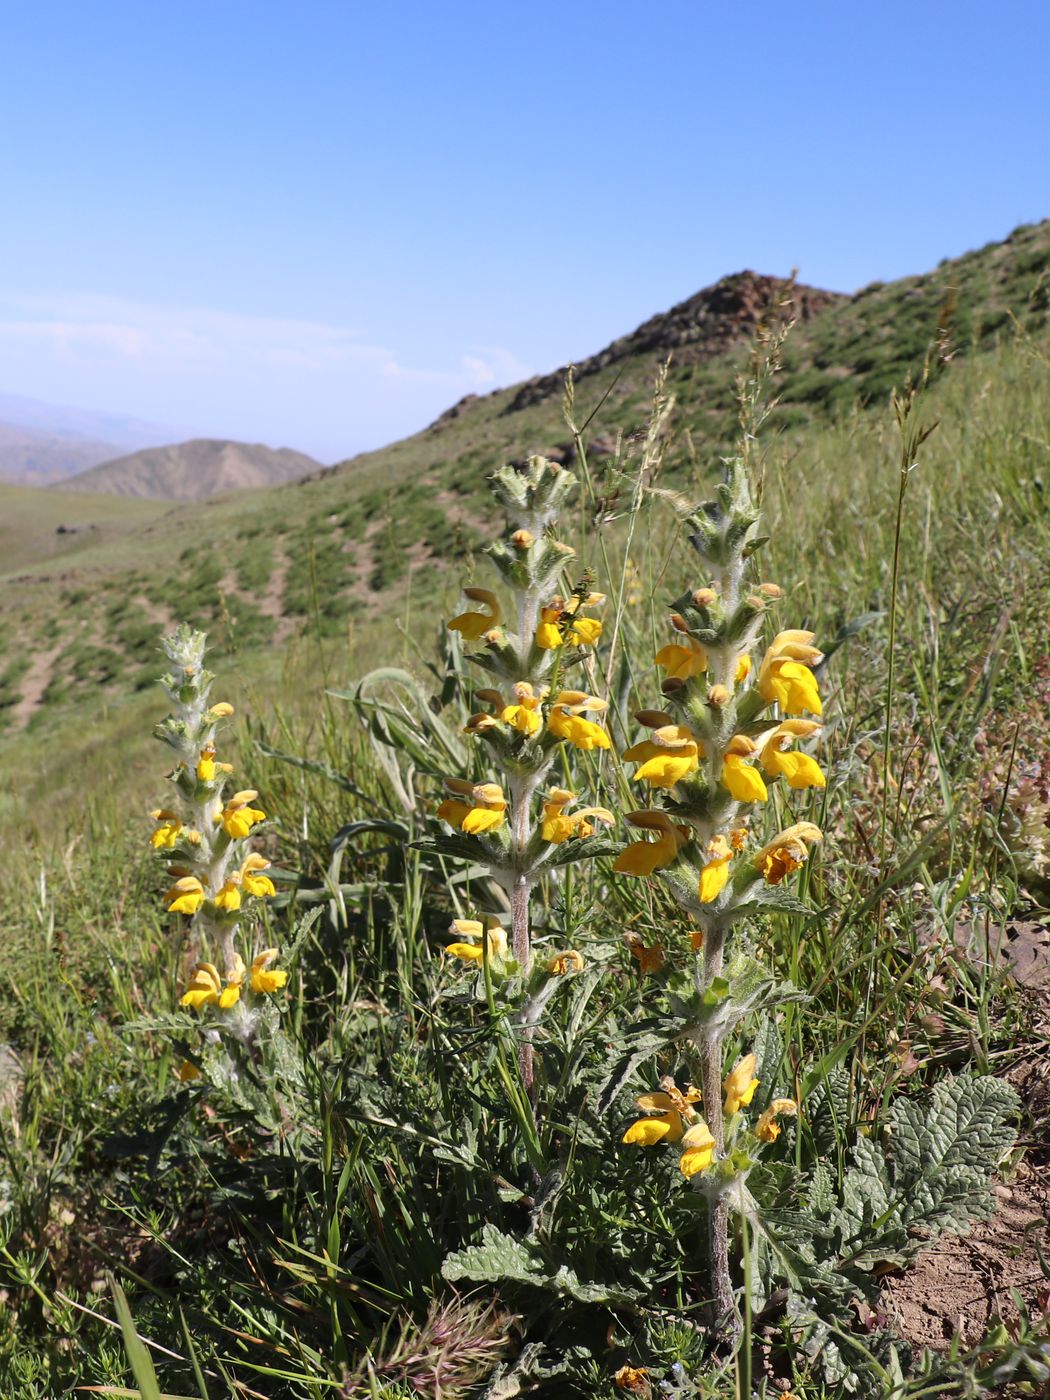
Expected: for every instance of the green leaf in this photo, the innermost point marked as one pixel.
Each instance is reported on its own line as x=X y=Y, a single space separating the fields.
x=138 y=1357
x=502 y=1259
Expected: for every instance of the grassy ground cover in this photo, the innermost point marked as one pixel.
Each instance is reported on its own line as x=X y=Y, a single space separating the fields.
x=373 y=1206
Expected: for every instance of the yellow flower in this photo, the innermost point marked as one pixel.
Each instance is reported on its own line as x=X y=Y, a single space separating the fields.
x=221 y=710
x=784 y=674
x=698 y=1149
x=643 y=857
x=585 y=631
x=229 y=897
x=767 y=1129
x=265 y=980
x=561 y=963
x=650 y=958
x=185 y=896
x=167 y=832
x=669 y=1111
x=251 y=876
x=491 y=933
x=485 y=810
x=715 y=873
x=238 y=816
x=205 y=987
x=743 y=782
x=524 y=715
x=472 y=625
x=786 y=852
x=682 y=659
x=560 y=623
x=566 y=720
x=740 y=1084
x=800 y=770
x=633 y=1379
x=671 y=754
x=206 y=765
x=743 y=668
x=558 y=825
x=235 y=974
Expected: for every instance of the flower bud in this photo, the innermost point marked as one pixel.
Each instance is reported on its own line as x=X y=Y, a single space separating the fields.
x=704 y=597
x=718 y=695
x=771 y=590
x=522 y=539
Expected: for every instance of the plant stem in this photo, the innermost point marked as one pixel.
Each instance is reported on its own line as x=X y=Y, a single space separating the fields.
x=710 y=1045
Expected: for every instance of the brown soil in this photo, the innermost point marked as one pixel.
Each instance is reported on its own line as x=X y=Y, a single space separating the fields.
x=958 y=1285
x=34 y=683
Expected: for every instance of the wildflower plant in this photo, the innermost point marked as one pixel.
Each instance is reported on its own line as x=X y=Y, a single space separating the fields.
x=517 y=823
x=216 y=881
x=734 y=722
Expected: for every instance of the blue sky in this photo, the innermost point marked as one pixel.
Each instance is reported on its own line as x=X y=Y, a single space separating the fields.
x=319 y=224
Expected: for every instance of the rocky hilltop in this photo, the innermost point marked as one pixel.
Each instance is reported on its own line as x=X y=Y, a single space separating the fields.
x=700 y=328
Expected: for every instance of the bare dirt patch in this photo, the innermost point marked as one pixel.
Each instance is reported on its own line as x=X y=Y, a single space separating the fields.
x=33 y=684
x=958 y=1285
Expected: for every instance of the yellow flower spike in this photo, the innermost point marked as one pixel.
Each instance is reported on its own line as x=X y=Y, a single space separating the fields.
x=784 y=674
x=235 y=975
x=743 y=782
x=264 y=979
x=206 y=764
x=167 y=832
x=800 y=769
x=205 y=987
x=650 y=958
x=786 y=852
x=185 y=896
x=740 y=1084
x=767 y=1129
x=643 y=857
x=562 y=963
x=698 y=1149
x=715 y=873
x=473 y=625
x=683 y=659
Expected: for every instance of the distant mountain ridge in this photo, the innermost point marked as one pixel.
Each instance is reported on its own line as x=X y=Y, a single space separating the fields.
x=194 y=470
x=41 y=443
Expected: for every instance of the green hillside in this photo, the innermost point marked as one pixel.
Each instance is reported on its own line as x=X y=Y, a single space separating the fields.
x=326 y=557
x=377 y=1167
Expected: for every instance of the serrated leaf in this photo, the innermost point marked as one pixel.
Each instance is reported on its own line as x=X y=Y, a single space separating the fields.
x=963 y=1122
x=502 y=1259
